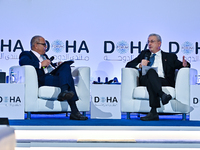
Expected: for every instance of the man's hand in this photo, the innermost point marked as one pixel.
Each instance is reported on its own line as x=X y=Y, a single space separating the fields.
x=58 y=63
x=144 y=62
x=45 y=63
x=184 y=62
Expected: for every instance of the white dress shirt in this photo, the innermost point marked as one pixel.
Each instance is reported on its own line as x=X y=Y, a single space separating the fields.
x=40 y=59
x=158 y=63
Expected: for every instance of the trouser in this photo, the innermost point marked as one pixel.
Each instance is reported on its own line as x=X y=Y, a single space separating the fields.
x=154 y=85
x=62 y=76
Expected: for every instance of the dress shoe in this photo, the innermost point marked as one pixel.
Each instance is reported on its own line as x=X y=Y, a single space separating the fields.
x=149 y=117
x=78 y=116
x=166 y=98
x=66 y=95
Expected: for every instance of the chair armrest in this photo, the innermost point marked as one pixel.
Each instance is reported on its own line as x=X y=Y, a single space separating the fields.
x=129 y=80
x=27 y=75
x=81 y=77
x=185 y=78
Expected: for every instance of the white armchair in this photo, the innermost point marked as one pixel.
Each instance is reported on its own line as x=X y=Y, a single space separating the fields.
x=44 y=98
x=135 y=98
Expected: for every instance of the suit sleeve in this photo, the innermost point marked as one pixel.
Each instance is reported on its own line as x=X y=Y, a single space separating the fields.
x=179 y=64
x=173 y=62
x=26 y=58
x=136 y=61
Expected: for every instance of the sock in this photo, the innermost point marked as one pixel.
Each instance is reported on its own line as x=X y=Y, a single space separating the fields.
x=64 y=87
x=73 y=106
x=153 y=110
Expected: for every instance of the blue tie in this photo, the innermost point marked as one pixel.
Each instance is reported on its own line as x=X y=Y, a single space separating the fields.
x=151 y=60
x=49 y=68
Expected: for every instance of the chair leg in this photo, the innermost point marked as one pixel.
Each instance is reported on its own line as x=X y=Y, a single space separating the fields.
x=84 y=113
x=28 y=115
x=138 y=115
x=183 y=117
x=128 y=115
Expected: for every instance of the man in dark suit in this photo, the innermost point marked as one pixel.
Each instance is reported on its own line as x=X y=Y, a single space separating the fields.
x=166 y=64
x=60 y=77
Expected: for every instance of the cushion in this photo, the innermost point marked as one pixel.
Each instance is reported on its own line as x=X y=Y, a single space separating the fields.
x=48 y=92
x=140 y=92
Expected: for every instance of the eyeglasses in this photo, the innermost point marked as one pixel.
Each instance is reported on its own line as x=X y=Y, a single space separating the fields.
x=152 y=41
x=44 y=44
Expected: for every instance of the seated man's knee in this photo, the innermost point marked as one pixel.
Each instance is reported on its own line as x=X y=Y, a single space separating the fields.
x=66 y=66
x=151 y=71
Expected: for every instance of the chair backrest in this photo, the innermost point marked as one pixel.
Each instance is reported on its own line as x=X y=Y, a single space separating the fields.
x=27 y=75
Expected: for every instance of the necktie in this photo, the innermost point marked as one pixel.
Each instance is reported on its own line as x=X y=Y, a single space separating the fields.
x=49 y=68
x=151 y=60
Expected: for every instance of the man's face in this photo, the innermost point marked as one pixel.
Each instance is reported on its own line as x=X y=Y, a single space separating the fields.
x=154 y=44
x=40 y=47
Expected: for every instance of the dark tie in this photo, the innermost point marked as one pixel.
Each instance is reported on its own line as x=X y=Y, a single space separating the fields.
x=49 y=68
x=151 y=60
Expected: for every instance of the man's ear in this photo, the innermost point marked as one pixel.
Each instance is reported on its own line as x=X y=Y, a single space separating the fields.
x=35 y=46
x=159 y=44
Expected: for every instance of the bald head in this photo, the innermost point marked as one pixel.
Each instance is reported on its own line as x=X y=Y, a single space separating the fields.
x=38 y=44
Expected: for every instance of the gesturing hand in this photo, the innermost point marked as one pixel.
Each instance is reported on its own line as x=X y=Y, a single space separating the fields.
x=184 y=62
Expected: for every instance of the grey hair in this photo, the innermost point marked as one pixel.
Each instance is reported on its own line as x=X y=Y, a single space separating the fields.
x=157 y=36
x=35 y=39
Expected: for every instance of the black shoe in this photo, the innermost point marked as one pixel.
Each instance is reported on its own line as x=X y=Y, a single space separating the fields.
x=166 y=98
x=66 y=95
x=149 y=117
x=78 y=116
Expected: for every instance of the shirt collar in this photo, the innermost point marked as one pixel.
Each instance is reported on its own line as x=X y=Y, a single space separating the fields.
x=36 y=53
x=157 y=53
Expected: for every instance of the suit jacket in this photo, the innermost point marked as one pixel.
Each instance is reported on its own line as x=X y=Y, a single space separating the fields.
x=169 y=60
x=29 y=58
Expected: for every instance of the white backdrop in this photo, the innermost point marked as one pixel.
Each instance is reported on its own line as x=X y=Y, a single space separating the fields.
x=103 y=31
